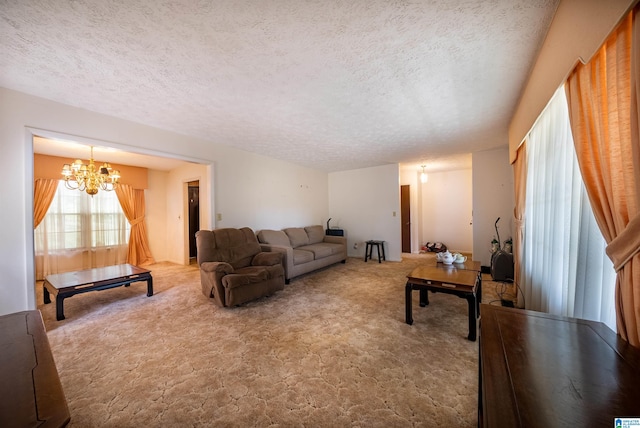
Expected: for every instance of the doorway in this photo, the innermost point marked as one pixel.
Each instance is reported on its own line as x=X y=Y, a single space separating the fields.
x=193 y=188
x=405 y=217
x=59 y=144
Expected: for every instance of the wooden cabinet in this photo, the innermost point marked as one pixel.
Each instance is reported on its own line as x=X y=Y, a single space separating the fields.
x=540 y=370
x=30 y=392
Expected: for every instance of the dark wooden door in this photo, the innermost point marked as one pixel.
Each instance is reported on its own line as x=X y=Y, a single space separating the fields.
x=194 y=215
x=405 y=218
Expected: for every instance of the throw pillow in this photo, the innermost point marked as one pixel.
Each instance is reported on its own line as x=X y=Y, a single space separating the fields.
x=273 y=237
x=315 y=233
x=297 y=236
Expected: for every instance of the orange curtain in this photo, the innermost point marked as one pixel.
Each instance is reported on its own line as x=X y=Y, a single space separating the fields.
x=44 y=189
x=520 y=184
x=133 y=205
x=604 y=122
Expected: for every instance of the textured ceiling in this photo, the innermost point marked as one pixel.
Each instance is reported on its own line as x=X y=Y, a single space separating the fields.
x=332 y=85
x=74 y=150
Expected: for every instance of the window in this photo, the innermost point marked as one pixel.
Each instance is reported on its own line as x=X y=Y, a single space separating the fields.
x=565 y=268
x=80 y=232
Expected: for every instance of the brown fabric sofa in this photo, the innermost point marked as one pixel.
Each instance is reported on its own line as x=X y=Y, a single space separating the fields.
x=234 y=269
x=305 y=249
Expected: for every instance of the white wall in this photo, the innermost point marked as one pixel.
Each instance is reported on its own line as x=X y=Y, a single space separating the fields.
x=250 y=190
x=177 y=209
x=446 y=207
x=156 y=214
x=166 y=210
x=366 y=203
x=267 y=193
x=410 y=177
x=450 y=192
x=493 y=197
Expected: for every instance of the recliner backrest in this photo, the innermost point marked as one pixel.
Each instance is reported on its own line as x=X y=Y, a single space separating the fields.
x=234 y=246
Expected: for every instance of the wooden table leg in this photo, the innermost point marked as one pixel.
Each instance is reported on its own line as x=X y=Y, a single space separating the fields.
x=407 y=303
x=59 y=307
x=424 y=297
x=150 y=286
x=471 y=301
x=45 y=295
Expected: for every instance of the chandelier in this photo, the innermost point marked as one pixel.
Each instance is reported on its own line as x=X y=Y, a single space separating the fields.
x=89 y=178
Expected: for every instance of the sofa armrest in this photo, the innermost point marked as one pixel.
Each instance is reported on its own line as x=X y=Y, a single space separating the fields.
x=211 y=274
x=217 y=267
x=287 y=254
x=335 y=239
x=267 y=259
x=277 y=248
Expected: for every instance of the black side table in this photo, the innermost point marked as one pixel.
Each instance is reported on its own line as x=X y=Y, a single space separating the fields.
x=369 y=248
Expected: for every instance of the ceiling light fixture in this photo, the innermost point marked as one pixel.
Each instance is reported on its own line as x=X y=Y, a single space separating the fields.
x=88 y=178
x=423 y=176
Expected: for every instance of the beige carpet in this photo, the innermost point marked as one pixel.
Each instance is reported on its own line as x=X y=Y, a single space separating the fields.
x=332 y=349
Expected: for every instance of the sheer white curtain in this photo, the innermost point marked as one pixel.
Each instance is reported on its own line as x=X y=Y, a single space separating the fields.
x=565 y=267
x=80 y=232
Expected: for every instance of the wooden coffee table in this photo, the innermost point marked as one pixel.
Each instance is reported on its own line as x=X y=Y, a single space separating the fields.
x=67 y=284
x=444 y=279
x=477 y=268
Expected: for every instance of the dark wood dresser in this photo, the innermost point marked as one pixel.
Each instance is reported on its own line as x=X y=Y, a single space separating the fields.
x=30 y=391
x=540 y=370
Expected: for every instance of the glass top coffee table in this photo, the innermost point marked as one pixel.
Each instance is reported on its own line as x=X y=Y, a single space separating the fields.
x=68 y=284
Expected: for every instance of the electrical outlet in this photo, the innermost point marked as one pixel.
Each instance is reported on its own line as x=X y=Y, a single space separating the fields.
x=219 y=217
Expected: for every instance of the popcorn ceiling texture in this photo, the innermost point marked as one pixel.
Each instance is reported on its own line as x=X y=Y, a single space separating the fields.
x=333 y=85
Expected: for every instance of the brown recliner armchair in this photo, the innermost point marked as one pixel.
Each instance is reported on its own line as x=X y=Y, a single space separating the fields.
x=233 y=268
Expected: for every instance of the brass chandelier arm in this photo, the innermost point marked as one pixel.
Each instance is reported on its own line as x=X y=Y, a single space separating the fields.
x=88 y=178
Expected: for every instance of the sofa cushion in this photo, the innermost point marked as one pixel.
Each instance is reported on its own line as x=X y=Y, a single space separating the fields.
x=335 y=248
x=315 y=233
x=319 y=250
x=302 y=256
x=297 y=236
x=274 y=237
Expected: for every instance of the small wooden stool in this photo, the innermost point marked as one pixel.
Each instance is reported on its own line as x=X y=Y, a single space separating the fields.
x=369 y=248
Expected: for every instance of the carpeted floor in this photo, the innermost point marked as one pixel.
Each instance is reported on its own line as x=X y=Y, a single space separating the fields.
x=332 y=349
